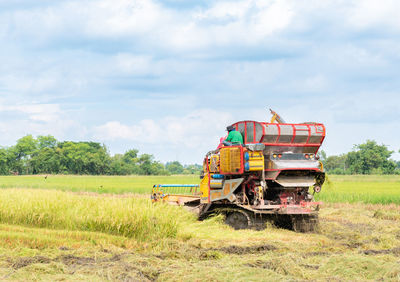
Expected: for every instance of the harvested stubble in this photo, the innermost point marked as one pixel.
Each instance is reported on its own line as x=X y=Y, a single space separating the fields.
x=131 y=217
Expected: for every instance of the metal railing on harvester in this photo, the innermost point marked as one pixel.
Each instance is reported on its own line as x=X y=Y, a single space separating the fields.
x=175 y=192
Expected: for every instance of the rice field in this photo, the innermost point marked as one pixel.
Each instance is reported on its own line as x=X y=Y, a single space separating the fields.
x=106 y=229
x=369 y=189
x=98 y=184
x=126 y=216
x=54 y=236
x=375 y=189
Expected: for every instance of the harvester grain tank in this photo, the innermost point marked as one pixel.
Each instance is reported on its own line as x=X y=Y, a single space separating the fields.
x=269 y=177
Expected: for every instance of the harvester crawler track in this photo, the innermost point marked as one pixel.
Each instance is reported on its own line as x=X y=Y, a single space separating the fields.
x=298 y=222
x=239 y=218
x=235 y=217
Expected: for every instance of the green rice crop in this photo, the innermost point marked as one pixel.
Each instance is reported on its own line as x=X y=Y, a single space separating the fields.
x=99 y=184
x=131 y=217
x=376 y=189
x=372 y=189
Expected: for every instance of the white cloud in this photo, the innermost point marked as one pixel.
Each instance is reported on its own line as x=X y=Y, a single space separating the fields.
x=36 y=112
x=121 y=17
x=188 y=131
x=373 y=13
x=41 y=112
x=28 y=83
x=38 y=119
x=223 y=23
x=131 y=64
x=144 y=131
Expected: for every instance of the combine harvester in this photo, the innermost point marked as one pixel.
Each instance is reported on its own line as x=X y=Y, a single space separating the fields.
x=268 y=178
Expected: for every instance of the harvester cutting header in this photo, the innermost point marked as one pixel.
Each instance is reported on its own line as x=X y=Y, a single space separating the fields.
x=265 y=176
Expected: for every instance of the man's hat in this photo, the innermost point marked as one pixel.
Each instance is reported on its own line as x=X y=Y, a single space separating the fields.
x=230 y=128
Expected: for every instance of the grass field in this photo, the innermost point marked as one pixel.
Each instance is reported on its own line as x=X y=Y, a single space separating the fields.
x=49 y=232
x=376 y=189
x=99 y=184
x=373 y=189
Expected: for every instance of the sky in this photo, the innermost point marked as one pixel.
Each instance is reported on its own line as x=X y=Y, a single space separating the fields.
x=167 y=77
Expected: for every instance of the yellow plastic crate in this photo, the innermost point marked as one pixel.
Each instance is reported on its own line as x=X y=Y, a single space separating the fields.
x=230 y=160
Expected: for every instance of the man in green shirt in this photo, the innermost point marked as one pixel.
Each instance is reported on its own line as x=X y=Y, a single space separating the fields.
x=234 y=137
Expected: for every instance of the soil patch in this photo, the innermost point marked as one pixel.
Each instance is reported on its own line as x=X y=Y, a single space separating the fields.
x=310 y=266
x=65 y=259
x=314 y=254
x=395 y=251
x=260 y=264
x=71 y=259
x=359 y=227
x=25 y=261
x=239 y=250
x=118 y=268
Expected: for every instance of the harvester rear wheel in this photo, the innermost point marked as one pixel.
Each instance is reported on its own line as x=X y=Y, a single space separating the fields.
x=238 y=219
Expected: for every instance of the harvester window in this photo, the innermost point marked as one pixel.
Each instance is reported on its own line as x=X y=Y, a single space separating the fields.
x=250 y=132
x=241 y=129
x=259 y=132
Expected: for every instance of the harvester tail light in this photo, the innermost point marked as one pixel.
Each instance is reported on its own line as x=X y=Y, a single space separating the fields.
x=274 y=156
x=307 y=156
x=279 y=156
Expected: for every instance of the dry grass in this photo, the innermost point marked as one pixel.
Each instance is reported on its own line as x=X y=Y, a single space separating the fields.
x=52 y=235
x=356 y=242
x=127 y=216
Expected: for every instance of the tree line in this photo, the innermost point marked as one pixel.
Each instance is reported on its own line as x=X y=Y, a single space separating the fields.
x=366 y=158
x=47 y=155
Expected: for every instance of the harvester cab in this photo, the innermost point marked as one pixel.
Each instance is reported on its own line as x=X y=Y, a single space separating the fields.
x=269 y=177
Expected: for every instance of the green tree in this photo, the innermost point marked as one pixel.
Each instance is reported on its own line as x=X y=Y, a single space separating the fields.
x=322 y=155
x=174 y=167
x=158 y=168
x=4 y=166
x=192 y=169
x=145 y=164
x=131 y=162
x=336 y=164
x=84 y=158
x=46 y=142
x=118 y=166
x=19 y=156
x=131 y=156
x=370 y=158
x=46 y=160
x=25 y=146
